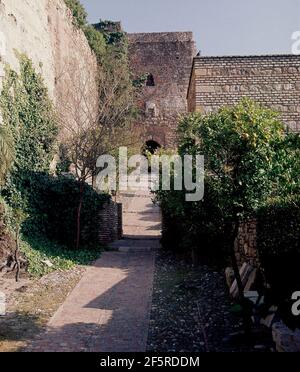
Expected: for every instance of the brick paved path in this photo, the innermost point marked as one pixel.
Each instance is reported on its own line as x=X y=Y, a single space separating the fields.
x=109 y=310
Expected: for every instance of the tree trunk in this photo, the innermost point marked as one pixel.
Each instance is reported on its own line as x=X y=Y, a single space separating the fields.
x=235 y=263
x=242 y=300
x=17 y=261
x=81 y=190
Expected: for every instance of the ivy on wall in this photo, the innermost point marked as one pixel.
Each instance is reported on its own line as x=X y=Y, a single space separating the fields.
x=30 y=116
x=29 y=113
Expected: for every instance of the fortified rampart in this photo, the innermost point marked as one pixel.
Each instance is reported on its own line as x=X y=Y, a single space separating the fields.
x=45 y=32
x=272 y=80
x=166 y=58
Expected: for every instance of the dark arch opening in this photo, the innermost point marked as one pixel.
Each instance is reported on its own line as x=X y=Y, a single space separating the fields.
x=150 y=81
x=151 y=147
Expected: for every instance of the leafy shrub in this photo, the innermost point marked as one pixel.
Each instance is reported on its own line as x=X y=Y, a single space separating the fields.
x=29 y=114
x=49 y=202
x=38 y=250
x=52 y=208
x=279 y=250
x=96 y=41
x=78 y=11
x=197 y=227
x=241 y=171
x=7 y=152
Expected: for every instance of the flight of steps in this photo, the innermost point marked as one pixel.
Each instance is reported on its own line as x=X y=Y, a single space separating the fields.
x=141 y=222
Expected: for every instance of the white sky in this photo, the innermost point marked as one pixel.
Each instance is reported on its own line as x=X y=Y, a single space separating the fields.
x=221 y=27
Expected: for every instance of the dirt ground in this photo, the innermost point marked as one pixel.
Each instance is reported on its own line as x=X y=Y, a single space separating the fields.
x=31 y=303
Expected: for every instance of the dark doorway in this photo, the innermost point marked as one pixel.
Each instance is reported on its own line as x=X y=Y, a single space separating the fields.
x=150 y=81
x=151 y=147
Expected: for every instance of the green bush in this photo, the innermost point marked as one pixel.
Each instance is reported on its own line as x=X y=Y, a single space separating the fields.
x=242 y=168
x=197 y=227
x=279 y=250
x=52 y=208
x=96 y=41
x=29 y=114
x=78 y=11
x=38 y=250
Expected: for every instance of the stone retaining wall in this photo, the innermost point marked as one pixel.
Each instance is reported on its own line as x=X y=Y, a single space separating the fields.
x=111 y=228
x=44 y=31
x=246 y=245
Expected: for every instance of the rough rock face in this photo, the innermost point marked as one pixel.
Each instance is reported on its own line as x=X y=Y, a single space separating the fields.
x=43 y=30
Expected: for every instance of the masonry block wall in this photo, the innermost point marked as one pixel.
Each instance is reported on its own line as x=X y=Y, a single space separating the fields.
x=168 y=58
x=271 y=80
x=246 y=243
x=111 y=228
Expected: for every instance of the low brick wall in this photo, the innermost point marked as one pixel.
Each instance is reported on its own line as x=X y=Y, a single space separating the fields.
x=111 y=228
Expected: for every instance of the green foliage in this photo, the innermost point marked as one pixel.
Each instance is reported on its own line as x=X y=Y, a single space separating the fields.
x=29 y=114
x=46 y=206
x=278 y=240
x=7 y=151
x=239 y=145
x=95 y=38
x=279 y=226
x=111 y=32
x=78 y=11
x=96 y=41
x=197 y=226
x=39 y=250
x=287 y=166
x=52 y=206
x=243 y=170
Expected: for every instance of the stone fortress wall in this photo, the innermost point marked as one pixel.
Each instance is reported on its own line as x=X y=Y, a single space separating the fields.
x=167 y=57
x=272 y=80
x=44 y=31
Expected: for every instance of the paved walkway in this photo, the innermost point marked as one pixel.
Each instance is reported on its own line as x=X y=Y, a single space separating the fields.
x=109 y=310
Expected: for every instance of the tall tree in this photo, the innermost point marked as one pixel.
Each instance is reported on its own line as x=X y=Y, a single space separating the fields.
x=96 y=112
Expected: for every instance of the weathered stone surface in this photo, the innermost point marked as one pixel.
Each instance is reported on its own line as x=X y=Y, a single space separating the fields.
x=45 y=32
x=168 y=57
x=2 y=304
x=285 y=339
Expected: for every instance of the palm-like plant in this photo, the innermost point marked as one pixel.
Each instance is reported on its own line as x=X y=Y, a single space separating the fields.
x=7 y=153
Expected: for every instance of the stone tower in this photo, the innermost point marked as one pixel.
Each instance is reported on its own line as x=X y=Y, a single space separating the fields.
x=165 y=58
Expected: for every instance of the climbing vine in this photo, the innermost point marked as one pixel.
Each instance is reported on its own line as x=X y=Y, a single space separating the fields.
x=29 y=113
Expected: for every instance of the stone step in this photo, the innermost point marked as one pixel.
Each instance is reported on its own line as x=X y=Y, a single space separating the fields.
x=136 y=244
x=142 y=221
x=141 y=232
x=135 y=249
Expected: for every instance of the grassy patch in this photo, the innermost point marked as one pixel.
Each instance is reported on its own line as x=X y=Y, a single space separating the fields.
x=39 y=250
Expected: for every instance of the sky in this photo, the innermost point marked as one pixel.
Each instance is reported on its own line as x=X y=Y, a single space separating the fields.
x=220 y=27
